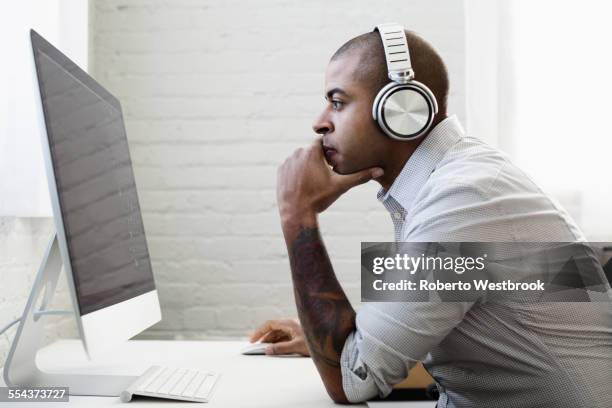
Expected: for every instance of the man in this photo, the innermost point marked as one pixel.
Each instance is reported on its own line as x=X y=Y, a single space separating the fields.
x=441 y=187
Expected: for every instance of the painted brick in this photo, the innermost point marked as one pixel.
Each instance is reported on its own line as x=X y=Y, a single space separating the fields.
x=211 y=110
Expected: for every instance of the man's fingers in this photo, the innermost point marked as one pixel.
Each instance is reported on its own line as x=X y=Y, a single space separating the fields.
x=285 y=347
x=348 y=181
x=275 y=336
x=317 y=148
x=317 y=142
x=282 y=326
x=270 y=337
x=263 y=329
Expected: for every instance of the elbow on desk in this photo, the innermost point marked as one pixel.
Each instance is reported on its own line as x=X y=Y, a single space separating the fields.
x=343 y=400
x=335 y=391
x=339 y=398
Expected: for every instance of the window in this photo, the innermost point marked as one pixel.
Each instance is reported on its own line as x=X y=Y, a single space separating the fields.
x=23 y=184
x=547 y=81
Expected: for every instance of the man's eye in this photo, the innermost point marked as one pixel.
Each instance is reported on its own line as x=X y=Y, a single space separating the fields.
x=337 y=104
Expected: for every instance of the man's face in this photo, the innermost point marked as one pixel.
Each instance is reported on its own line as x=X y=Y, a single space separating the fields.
x=351 y=138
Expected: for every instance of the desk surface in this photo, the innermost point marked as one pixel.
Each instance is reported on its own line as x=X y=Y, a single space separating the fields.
x=246 y=381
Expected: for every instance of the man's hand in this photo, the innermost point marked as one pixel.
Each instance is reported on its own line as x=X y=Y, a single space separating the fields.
x=306 y=185
x=286 y=336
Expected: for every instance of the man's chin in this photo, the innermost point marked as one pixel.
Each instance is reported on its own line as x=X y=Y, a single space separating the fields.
x=341 y=170
x=335 y=166
x=337 y=169
x=341 y=167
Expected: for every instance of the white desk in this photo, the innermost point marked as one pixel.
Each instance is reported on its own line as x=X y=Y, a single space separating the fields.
x=246 y=381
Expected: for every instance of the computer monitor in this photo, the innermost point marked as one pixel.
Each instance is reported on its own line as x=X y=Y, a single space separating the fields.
x=95 y=205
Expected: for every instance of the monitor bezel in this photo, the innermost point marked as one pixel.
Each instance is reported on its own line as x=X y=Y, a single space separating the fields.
x=110 y=326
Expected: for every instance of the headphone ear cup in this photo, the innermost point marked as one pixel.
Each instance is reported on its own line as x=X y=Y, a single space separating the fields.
x=404 y=111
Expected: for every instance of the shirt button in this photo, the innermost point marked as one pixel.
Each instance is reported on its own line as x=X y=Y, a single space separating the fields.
x=397 y=216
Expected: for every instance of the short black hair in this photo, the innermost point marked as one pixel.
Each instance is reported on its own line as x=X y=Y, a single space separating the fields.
x=428 y=66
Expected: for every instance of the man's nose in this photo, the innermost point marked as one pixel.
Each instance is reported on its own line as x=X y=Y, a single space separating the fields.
x=322 y=125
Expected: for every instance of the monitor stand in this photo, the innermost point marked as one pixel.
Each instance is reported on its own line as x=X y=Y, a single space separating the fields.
x=21 y=369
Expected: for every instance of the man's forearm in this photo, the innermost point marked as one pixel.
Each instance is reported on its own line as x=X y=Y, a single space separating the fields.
x=306 y=186
x=325 y=313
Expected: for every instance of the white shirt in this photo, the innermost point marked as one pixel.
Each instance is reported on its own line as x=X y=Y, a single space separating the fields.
x=457 y=188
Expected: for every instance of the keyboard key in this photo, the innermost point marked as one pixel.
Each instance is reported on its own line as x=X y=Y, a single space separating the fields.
x=150 y=375
x=172 y=381
x=195 y=384
x=160 y=380
x=178 y=389
x=206 y=387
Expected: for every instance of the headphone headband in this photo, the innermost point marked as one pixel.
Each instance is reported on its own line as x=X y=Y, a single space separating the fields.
x=397 y=53
x=404 y=108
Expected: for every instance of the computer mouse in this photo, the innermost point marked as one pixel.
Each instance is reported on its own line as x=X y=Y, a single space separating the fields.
x=255 y=349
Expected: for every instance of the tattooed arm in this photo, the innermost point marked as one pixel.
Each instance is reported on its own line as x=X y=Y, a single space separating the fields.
x=326 y=314
x=307 y=186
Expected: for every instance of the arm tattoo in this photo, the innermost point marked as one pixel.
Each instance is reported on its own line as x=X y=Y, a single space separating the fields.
x=326 y=315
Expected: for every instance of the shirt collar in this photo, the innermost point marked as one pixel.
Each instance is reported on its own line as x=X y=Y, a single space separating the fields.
x=420 y=165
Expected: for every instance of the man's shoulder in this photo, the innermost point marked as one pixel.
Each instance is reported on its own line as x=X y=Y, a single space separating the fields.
x=471 y=166
x=476 y=193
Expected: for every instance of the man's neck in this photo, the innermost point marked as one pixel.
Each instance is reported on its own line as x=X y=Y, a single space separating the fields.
x=399 y=154
x=396 y=161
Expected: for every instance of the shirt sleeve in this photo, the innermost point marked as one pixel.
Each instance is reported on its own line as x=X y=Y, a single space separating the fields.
x=388 y=341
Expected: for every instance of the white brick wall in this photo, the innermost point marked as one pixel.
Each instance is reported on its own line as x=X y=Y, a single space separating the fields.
x=215 y=95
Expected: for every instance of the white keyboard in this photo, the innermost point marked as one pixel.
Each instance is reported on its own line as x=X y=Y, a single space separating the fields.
x=173 y=383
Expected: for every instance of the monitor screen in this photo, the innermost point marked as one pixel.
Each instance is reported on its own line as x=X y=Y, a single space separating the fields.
x=95 y=183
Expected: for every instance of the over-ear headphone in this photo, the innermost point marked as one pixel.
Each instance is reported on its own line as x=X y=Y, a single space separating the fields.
x=404 y=108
